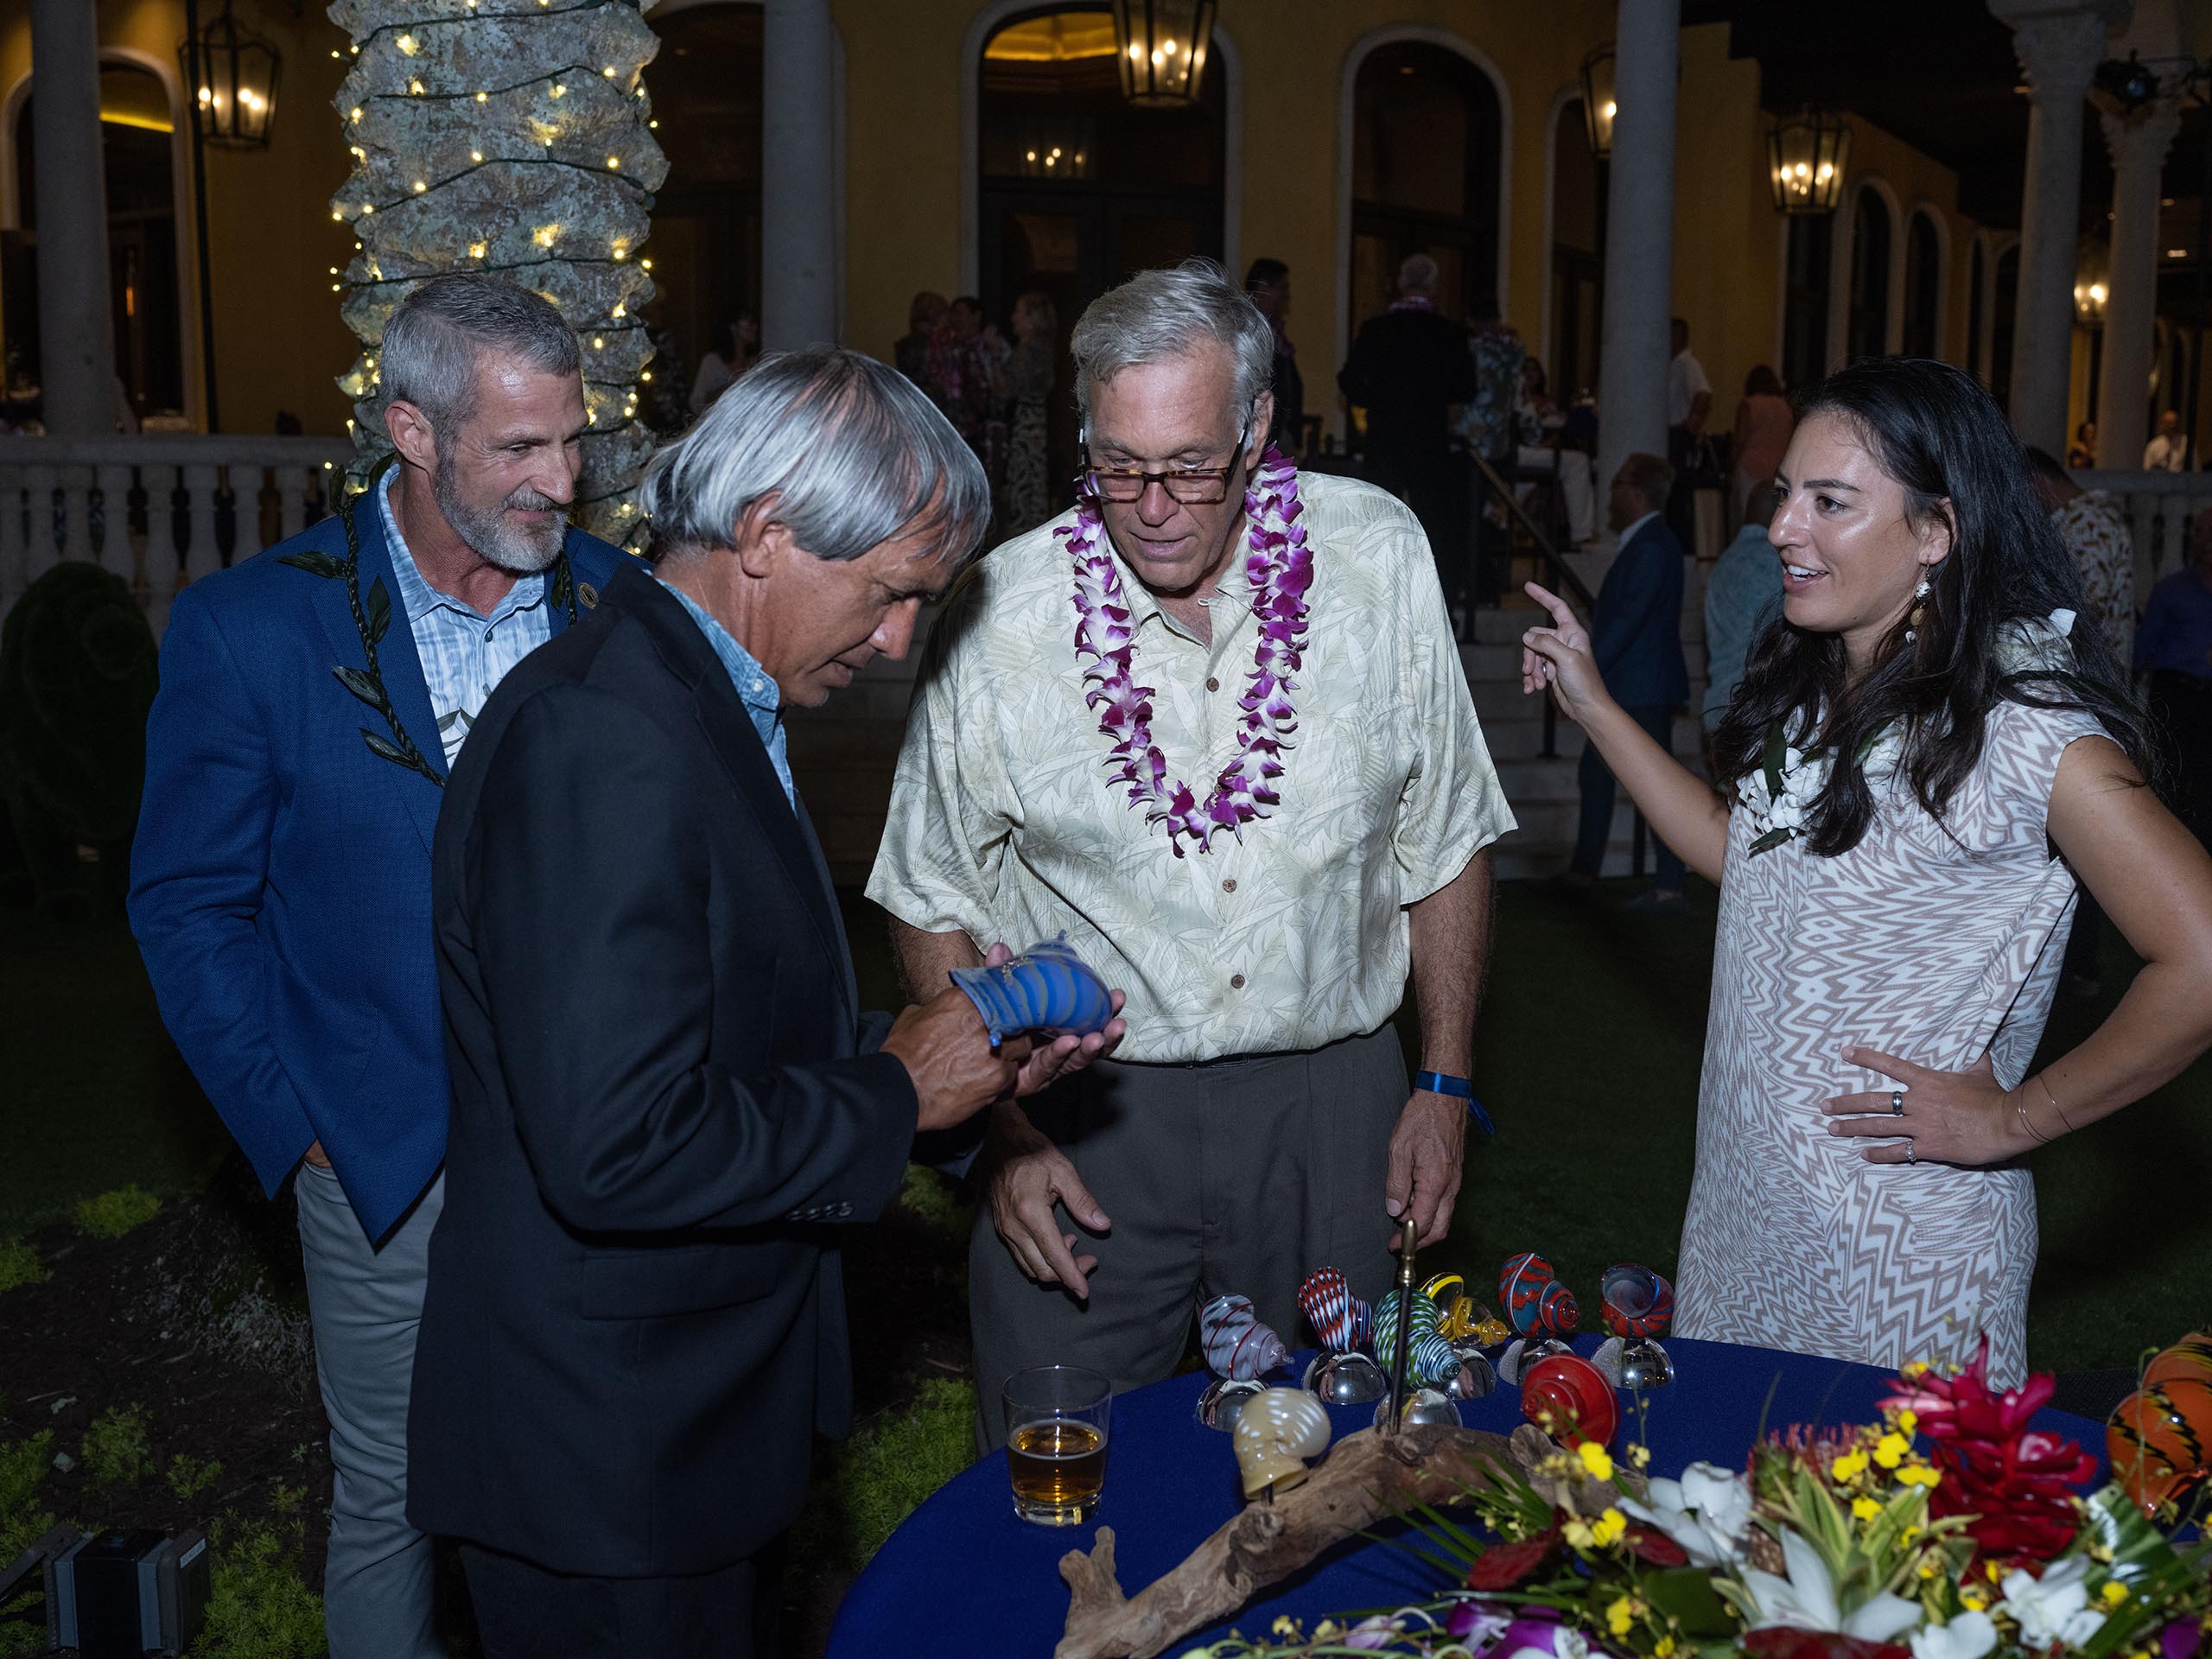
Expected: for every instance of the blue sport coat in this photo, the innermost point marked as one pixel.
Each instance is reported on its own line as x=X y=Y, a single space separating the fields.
x=1636 y=633
x=280 y=883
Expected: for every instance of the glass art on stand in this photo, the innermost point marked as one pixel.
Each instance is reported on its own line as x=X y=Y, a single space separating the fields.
x=1542 y=1311
x=1047 y=989
x=1637 y=1307
x=1340 y=1375
x=1569 y=1399
x=2159 y=1438
x=1277 y=1429
x=1238 y=1350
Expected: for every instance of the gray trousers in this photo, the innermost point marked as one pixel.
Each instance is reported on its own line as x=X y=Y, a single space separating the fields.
x=365 y=1303
x=1240 y=1176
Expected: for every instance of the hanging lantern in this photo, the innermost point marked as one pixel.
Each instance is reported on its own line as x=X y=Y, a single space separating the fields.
x=1162 y=45
x=2092 y=263
x=1808 y=154
x=1598 y=105
x=237 y=73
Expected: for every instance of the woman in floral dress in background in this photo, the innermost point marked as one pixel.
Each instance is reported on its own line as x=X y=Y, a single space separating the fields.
x=1914 y=735
x=1025 y=497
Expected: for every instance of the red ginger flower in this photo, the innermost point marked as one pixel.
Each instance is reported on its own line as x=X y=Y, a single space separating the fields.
x=2019 y=1484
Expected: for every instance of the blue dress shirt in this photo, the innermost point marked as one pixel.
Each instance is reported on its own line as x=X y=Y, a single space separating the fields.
x=754 y=688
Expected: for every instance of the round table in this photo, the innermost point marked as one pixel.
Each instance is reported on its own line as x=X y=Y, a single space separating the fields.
x=964 y=1576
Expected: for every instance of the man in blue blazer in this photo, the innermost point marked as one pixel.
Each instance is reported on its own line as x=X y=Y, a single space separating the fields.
x=1636 y=634
x=312 y=700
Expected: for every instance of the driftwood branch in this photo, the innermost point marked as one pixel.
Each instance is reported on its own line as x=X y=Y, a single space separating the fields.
x=1366 y=1478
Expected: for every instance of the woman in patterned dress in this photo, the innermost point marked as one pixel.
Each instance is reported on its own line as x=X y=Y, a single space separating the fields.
x=1891 y=921
x=1025 y=496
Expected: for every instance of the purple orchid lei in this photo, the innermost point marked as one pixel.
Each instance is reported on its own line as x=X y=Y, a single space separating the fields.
x=1279 y=568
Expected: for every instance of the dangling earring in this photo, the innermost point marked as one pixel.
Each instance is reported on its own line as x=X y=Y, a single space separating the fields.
x=1919 y=612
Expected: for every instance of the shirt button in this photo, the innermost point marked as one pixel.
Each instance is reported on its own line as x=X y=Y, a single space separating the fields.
x=1213 y=684
x=1236 y=981
x=1229 y=884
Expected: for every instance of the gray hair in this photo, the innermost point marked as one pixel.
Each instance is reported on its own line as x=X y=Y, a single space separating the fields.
x=1163 y=314
x=854 y=452
x=436 y=337
x=1417 y=274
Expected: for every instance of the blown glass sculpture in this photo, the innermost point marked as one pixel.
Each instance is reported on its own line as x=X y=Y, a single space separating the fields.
x=1047 y=989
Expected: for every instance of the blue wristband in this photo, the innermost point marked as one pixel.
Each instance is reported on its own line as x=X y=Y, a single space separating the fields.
x=1436 y=1082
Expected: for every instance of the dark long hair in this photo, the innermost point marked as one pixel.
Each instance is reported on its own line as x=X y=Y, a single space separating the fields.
x=1941 y=437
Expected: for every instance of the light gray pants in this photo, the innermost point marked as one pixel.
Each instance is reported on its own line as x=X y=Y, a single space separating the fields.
x=1237 y=1177
x=365 y=1303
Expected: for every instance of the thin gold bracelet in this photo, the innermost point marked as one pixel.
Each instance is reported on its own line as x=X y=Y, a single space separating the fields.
x=2053 y=1099
x=2020 y=1105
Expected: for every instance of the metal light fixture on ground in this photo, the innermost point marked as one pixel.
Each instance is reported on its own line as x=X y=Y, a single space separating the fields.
x=1162 y=47
x=1598 y=107
x=237 y=73
x=1808 y=154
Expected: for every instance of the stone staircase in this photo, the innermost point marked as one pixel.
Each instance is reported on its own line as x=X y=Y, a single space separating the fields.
x=843 y=754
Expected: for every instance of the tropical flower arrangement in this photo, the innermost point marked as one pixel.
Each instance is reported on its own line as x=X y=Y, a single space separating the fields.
x=1949 y=1529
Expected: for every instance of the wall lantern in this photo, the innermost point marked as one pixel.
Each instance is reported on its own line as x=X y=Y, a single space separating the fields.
x=1598 y=105
x=1808 y=154
x=2092 y=267
x=236 y=75
x=1162 y=47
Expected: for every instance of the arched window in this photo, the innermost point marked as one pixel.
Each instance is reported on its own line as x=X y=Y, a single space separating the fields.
x=137 y=150
x=1924 y=287
x=1080 y=187
x=1805 y=299
x=1425 y=154
x=706 y=86
x=1976 y=271
x=2003 y=301
x=1578 y=257
x=1866 y=328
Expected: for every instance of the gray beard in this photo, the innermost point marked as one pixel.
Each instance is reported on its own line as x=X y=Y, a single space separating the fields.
x=510 y=547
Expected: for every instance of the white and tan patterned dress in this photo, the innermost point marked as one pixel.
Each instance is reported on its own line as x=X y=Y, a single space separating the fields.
x=1934 y=942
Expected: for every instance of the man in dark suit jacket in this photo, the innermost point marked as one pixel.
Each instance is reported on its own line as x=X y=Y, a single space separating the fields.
x=1409 y=369
x=668 y=1107
x=311 y=701
x=1636 y=635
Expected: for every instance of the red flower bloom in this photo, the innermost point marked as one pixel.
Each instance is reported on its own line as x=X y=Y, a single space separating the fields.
x=1657 y=1549
x=1503 y=1565
x=2019 y=1485
x=1784 y=1642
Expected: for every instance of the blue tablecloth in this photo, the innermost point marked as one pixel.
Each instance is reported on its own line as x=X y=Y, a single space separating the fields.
x=964 y=1576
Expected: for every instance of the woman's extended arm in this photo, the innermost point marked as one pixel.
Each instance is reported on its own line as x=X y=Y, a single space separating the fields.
x=1682 y=808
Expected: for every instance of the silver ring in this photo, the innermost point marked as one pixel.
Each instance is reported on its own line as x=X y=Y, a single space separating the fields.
x=1897 y=1102
x=1911 y=1154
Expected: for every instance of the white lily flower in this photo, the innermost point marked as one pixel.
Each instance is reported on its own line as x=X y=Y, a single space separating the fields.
x=1969 y=1636
x=1806 y=1599
x=1705 y=1512
x=2054 y=1608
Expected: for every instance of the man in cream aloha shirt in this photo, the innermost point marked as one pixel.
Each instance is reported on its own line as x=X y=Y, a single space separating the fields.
x=1257 y=1123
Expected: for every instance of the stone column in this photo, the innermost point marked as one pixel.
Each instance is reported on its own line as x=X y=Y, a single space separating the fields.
x=799 y=148
x=76 y=339
x=1639 y=237
x=2058 y=43
x=2139 y=146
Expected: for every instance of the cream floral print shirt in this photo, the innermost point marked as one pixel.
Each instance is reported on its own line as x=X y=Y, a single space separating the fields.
x=2097 y=537
x=1004 y=822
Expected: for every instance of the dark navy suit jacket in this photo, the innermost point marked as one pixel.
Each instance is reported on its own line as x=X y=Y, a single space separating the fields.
x=281 y=877
x=1636 y=633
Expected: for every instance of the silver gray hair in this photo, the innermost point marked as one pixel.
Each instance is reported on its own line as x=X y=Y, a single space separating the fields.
x=853 y=451
x=1417 y=274
x=1163 y=314
x=437 y=336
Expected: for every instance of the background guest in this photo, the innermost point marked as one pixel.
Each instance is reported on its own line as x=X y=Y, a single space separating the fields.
x=1410 y=370
x=1763 y=427
x=1493 y=424
x=1269 y=283
x=1742 y=594
x=952 y=375
x=2082 y=452
x=2175 y=650
x=1637 y=643
x=2169 y=449
x=1689 y=406
x=1025 y=383
x=1545 y=452
x=923 y=315
x=736 y=348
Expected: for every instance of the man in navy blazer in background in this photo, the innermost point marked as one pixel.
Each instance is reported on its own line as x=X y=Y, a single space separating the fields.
x=1636 y=634
x=312 y=700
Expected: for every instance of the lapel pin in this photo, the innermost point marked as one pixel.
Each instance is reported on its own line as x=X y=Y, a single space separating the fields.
x=589 y=594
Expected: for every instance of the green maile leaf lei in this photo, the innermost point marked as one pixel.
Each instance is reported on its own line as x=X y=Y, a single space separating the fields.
x=372 y=621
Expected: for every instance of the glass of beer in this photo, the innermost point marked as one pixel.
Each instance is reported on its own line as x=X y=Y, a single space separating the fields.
x=1055 y=1423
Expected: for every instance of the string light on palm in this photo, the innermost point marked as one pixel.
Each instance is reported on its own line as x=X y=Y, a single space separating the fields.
x=509 y=135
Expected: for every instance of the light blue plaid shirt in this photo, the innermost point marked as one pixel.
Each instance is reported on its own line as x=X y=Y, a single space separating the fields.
x=754 y=688
x=464 y=654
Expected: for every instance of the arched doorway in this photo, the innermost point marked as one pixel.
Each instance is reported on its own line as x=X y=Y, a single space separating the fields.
x=706 y=239
x=1424 y=137
x=1808 y=273
x=1579 y=185
x=1078 y=187
x=1924 y=287
x=1866 y=326
x=138 y=149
